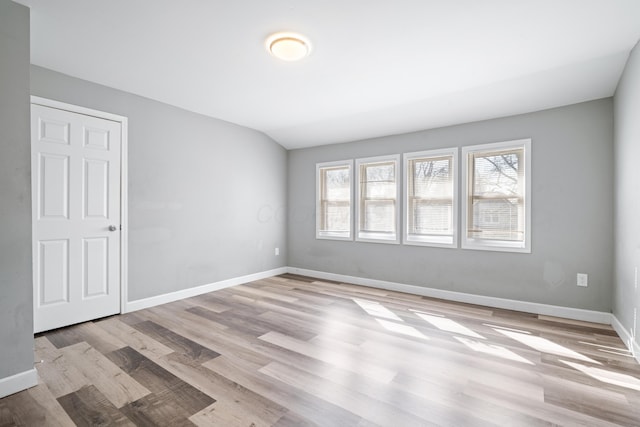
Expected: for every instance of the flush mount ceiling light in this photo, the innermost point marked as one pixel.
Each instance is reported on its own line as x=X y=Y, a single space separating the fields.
x=288 y=46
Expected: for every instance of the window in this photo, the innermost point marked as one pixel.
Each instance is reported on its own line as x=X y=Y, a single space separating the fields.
x=377 y=211
x=333 y=200
x=431 y=205
x=497 y=206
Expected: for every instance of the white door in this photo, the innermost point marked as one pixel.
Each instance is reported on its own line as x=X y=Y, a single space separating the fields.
x=75 y=162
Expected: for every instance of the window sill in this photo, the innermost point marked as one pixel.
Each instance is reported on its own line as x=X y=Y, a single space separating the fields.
x=434 y=241
x=378 y=238
x=328 y=235
x=496 y=245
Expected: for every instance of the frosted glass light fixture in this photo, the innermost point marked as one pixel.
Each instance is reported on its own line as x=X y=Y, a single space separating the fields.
x=288 y=46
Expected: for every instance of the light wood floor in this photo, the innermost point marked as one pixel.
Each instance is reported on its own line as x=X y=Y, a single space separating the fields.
x=290 y=351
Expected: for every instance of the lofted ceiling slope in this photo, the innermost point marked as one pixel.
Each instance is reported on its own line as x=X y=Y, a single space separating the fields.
x=377 y=67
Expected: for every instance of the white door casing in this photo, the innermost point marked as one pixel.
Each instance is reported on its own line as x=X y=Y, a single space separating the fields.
x=77 y=216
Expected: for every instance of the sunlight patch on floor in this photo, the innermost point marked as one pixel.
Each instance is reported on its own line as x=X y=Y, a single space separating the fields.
x=402 y=329
x=614 y=378
x=449 y=325
x=493 y=350
x=504 y=328
x=611 y=350
x=543 y=345
x=376 y=309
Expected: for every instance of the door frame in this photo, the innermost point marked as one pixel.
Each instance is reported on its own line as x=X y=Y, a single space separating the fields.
x=124 y=220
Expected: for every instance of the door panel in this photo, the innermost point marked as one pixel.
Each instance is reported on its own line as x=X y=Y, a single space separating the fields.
x=96 y=265
x=96 y=188
x=54 y=184
x=54 y=271
x=76 y=198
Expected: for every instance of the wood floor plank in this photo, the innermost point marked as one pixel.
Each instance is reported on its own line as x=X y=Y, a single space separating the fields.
x=133 y=338
x=181 y=345
x=59 y=373
x=580 y=323
x=64 y=337
x=589 y=400
x=202 y=301
x=351 y=400
x=417 y=397
x=378 y=373
x=292 y=419
x=422 y=359
x=160 y=381
x=236 y=301
x=288 y=326
x=254 y=325
x=252 y=290
x=189 y=325
x=131 y=318
x=236 y=403
x=88 y=407
x=224 y=413
x=555 y=415
x=251 y=326
x=302 y=402
x=296 y=278
x=96 y=338
x=154 y=410
x=55 y=414
x=22 y=409
x=294 y=351
x=102 y=373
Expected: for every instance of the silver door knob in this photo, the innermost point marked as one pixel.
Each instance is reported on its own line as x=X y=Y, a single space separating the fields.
x=112 y=228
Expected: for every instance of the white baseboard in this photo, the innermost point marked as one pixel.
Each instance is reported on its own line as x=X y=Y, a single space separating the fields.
x=18 y=382
x=626 y=337
x=199 y=290
x=509 y=304
x=29 y=378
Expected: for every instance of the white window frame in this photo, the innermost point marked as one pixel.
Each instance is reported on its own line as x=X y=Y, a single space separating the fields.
x=321 y=234
x=411 y=239
x=497 y=245
x=364 y=236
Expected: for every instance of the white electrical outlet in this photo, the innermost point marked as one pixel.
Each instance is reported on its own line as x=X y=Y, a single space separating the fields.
x=277 y=251
x=583 y=280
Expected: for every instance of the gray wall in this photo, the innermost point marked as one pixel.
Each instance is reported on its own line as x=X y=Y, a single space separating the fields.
x=16 y=305
x=627 y=194
x=572 y=213
x=205 y=196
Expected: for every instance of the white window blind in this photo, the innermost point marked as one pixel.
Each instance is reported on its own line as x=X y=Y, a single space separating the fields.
x=431 y=199
x=497 y=188
x=377 y=210
x=333 y=210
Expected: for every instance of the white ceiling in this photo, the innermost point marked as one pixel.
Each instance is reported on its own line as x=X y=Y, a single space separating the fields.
x=378 y=67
